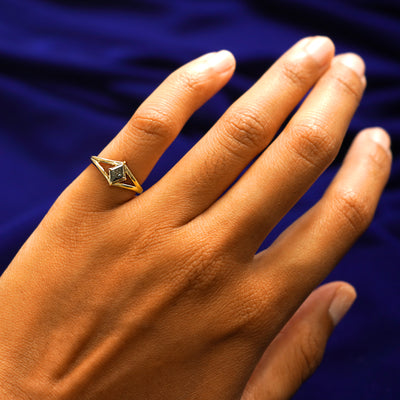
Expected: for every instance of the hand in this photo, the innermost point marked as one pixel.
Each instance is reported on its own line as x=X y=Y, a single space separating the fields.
x=161 y=296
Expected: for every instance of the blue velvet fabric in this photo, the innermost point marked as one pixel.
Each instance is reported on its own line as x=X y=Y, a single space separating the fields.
x=72 y=73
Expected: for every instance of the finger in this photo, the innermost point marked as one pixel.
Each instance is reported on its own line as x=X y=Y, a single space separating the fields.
x=307 y=251
x=157 y=122
x=297 y=351
x=244 y=130
x=285 y=171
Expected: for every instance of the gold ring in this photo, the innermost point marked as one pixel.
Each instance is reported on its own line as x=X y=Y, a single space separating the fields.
x=118 y=175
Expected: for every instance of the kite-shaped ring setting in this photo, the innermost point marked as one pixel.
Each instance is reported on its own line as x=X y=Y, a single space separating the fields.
x=118 y=174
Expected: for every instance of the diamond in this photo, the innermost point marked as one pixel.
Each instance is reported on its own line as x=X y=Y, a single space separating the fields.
x=117 y=174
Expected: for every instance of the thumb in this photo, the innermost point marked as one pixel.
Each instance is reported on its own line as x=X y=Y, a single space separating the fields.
x=296 y=352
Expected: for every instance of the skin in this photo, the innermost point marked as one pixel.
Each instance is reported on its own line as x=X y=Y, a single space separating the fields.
x=163 y=295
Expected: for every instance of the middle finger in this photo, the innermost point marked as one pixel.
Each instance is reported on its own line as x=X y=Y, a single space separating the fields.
x=285 y=171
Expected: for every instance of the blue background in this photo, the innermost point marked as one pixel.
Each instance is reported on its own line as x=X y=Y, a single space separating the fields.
x=72 y=73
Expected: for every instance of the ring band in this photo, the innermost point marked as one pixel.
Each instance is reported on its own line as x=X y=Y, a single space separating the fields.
x=118 y=175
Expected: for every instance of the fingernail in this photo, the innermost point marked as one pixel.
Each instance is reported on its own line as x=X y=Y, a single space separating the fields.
x=380 y=136
x=221 y=61
x=321 y=49
x=354 y=62
x=341 y=303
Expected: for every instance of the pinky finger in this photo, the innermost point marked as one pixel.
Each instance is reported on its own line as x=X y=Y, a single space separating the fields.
x=311 y=247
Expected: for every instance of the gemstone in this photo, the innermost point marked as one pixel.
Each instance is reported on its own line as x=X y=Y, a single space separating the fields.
x=117 y=174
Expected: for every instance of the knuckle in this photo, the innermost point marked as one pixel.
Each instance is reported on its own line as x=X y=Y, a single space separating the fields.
x=313 y=144
x=379 y=159
x=310 y=352
x=245 y=130
x=253 y=305
x=295 y=72
x=244 y=306
x=349 y=83
x=151 y=124
x=204 y=272
x=192 y=79
x=355 y=209
x=250 y=311
x=201 y=267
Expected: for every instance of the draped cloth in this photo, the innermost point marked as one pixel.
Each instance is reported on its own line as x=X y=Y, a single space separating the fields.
x=72 y=73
